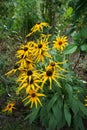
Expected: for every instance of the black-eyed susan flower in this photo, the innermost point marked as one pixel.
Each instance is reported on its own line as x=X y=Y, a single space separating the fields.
x=38 y=27
x=41 y=50
x=9 y=107
x=41 y=45
x=55 y=65
x=33 y=98
x=60 y=42
x=26 y=75
x=16 y=67
x=45 y=36
x=28 y=85
x=26 y=62
x=51 y=75
x=42 y=56
x=24 y=51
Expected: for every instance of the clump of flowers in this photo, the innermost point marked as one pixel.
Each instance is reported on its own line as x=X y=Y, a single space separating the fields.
x=37 y=66
x=44 y=81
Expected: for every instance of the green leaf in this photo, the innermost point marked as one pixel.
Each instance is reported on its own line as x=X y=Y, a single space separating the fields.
x=32 y=116
x=83 y=33
x=69 y=11
x=81 y=126
x=69 y=91
x=71 y=48
x=67 y=114
x=44 y=116
x=78 y=123
x=84 y=47
x=82 y=108
x=57 y=111
x=52 y=122
x=52 y=101
x=74 y=106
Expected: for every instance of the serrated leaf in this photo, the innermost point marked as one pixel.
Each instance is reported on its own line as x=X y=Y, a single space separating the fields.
x=71 y=48
x=67 y=114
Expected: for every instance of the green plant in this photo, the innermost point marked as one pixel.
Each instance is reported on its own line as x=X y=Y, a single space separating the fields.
x=47 y=81
x=24 y=10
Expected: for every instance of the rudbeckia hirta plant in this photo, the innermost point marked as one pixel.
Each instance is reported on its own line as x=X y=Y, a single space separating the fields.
x=38 y=27
x=33 y=98
x=56 y=65
x=60 y=42
x=46 y=83
x=9 y=107
x=29 y=84
x=27 y=75
x=51 y=75
x=41 y=49
x=24 y=51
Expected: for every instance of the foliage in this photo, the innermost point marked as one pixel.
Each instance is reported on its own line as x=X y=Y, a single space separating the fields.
x=64 y=101
x=14 y=13
x=63 y=105
x=25 y=9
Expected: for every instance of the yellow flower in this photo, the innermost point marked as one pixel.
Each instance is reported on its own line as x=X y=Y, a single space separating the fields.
x=33 y=98
x=26 y=75
x=55 y=65
x=24 y=51
x=45 y=36
x=38 y=27
x=51 y=75
x=42 y=56
x=32 y=84
x=26 y=63
x=60 y=43
x=9 y=107
x=16 y=67
x=41 y=50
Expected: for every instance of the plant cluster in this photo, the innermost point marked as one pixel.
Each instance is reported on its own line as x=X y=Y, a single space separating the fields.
x=46 y=82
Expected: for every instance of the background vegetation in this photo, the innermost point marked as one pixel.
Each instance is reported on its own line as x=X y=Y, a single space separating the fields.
x=66 y=17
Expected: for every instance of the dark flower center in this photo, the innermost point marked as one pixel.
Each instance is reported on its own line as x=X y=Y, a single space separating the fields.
x=40 y=46
x=29 y=72
x=52 y=64
x=60 y=43
x=49 y=73
x=33 y=95
x=16 y=67
x=25 y=48
x=38 y=23
x=9 y=106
